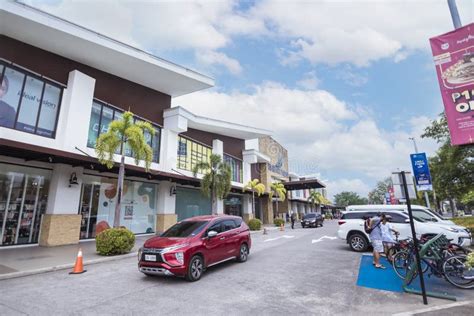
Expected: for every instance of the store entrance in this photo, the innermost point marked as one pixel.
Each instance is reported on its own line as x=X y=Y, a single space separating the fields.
x=23 y=198
x=88 y=209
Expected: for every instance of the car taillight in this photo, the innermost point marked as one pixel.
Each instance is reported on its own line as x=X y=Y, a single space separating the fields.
x=341 y=222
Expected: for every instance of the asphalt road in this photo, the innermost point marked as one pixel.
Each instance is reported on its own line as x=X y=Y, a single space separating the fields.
x=283 y=276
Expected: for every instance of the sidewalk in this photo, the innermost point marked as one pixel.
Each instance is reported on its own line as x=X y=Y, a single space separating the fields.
x=23 y=261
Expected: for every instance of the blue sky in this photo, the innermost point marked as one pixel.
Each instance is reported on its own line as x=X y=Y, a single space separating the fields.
x=342 y=84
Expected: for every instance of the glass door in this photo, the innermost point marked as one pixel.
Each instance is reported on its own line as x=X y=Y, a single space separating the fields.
x=88 y=209
x=14 y=205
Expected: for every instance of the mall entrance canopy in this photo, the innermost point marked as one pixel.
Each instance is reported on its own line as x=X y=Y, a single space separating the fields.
x=303 y=184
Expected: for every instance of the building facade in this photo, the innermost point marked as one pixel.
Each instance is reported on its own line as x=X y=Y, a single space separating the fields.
x=62 y=85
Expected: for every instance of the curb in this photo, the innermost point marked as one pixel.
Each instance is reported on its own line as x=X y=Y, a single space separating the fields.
x=20 y=274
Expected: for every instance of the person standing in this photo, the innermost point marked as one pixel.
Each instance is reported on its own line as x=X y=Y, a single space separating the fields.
x=387 y=239
x=293 y=219
x=376 y=238
x=7 y=113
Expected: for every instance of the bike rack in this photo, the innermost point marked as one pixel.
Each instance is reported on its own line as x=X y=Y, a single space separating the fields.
x=431 y=250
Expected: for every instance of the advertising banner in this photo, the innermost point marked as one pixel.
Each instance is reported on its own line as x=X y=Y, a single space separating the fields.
x=421 y=170
x=453 y=54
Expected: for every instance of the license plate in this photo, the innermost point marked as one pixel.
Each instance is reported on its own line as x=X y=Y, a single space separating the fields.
x=150 y=257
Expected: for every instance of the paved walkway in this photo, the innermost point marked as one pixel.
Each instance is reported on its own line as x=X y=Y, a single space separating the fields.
x=21 y=261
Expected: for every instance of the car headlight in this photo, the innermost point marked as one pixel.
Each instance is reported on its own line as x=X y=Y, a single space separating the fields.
x=179 y=257
x=173 y=248
x=451 y=229
x=140 y=251
x=313 y=220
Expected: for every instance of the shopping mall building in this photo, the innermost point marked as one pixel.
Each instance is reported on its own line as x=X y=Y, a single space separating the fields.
x=62 y=85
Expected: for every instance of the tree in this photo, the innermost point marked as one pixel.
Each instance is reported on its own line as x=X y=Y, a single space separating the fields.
x=278 y=189
x=346 y=198
x=122 y=133
x=452 y=167
x=377 y=195
x=316 y=198
x=256 y=187
x=216 y=182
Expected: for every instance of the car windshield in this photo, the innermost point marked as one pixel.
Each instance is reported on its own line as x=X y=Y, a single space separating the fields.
x=424 y=215
x=308 y=216
x=185 y=229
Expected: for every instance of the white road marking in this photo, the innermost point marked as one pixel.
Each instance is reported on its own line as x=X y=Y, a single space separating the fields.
x=433 y=308
x=321 y=239
x=276 y=238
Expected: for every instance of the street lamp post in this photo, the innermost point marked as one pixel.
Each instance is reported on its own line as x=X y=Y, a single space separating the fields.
x=427 y=200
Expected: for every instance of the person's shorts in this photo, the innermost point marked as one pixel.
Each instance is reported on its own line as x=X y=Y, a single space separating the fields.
x=389 y=244
x=378 y=245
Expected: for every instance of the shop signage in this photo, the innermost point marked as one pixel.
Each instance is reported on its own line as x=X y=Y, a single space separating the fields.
x=421 y=170
x=453 y=54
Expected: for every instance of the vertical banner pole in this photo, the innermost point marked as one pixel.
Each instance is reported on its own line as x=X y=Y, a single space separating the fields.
x=415 y=241
x=454 y=14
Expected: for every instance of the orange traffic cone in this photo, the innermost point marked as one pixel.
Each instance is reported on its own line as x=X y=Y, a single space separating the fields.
x=78 y=267
x=282 y=227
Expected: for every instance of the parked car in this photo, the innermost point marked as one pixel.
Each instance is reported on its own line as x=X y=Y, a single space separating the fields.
x=351 y=228
x=418 y=211
x=192 y=245
x=312 y=220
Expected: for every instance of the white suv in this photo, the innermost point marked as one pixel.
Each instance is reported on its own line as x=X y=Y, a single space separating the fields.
x=418 y=211
x=351 y=228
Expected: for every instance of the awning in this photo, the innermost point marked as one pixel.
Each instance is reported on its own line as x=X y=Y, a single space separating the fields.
x=303 y=184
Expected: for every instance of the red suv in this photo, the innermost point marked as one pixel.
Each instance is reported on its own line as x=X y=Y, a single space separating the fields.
x=190 y=246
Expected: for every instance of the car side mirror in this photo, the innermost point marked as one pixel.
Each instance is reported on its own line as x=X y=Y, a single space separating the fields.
x=211 y=234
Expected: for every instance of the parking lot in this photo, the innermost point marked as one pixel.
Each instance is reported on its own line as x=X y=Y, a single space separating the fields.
x=301 y=271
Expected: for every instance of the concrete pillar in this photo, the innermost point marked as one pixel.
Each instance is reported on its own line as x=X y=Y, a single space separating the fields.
x=267 y=211
x=247 y=207
x=75 y=111
x=61 y=224
x=166 y=206
x=218 y=149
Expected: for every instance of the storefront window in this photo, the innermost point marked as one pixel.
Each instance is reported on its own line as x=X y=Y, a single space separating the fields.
x=235 y=167
x=191 y=202
x=28 y=103
x=233 y=205
x=101 y=117
x=98 y=201
x=23 y=198
x=190 y=153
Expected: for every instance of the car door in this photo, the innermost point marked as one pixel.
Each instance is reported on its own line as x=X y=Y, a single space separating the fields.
x=215 y=246
x=231 y=238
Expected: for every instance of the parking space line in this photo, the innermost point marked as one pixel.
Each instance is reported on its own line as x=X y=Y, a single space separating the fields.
x=433 y=308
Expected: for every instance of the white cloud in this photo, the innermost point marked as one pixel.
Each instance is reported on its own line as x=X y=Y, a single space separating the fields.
x=309 y=81
x=357 y=31
x=322 y=133
x=216 y=58
x=352 y=185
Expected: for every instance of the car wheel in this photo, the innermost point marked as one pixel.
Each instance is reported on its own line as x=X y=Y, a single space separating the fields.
x=358 y=242
x=243 y=253
x=195 y=269
x=303 y=226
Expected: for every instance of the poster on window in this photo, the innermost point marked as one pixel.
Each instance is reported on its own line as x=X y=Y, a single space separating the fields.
x=28 y=104
x=453 y=54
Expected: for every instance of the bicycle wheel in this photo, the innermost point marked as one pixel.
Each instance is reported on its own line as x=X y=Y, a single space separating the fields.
x=399 y=263
x=457 y=273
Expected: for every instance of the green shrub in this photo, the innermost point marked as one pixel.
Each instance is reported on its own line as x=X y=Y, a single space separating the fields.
x=470 y=260
x=255 y=224
x=114 y=241
x=278 y=222
x=327 y=216
x=467 y=222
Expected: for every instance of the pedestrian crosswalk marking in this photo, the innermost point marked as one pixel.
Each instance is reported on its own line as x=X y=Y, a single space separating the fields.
x=321 y=239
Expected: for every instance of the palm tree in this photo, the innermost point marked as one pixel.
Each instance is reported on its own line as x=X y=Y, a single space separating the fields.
x=121 y=133
x=256 y=187
x=316 y=198
x=215 y=183
x=277 y=188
